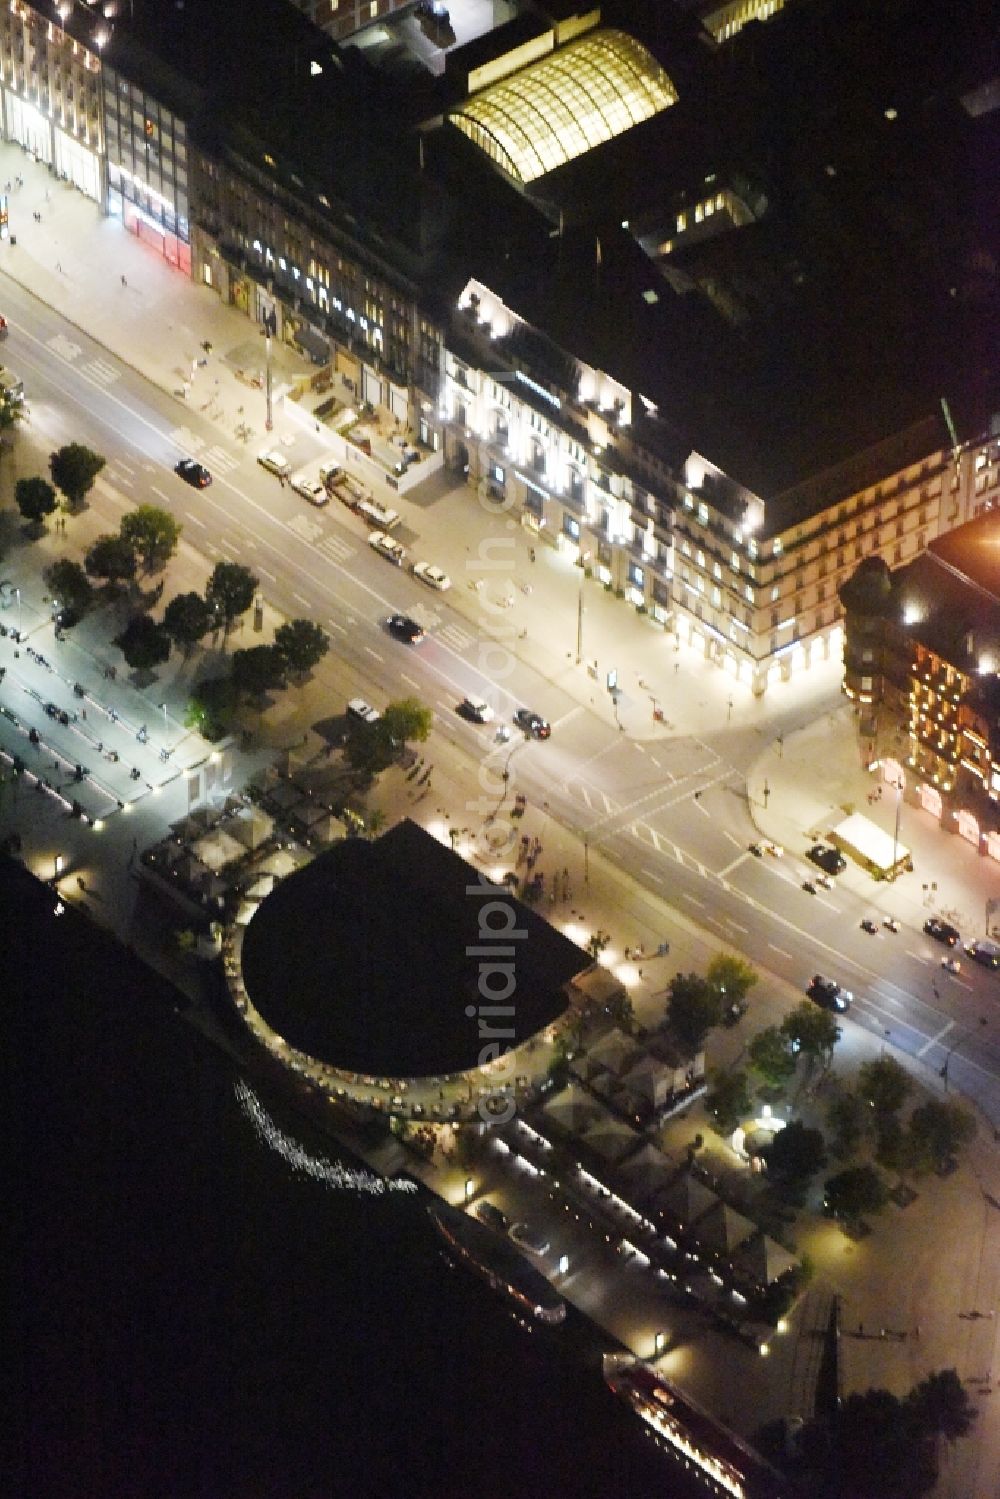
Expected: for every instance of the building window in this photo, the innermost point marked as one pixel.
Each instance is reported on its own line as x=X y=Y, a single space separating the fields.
x=571 y=527
x=635 y=574
x=497 y=473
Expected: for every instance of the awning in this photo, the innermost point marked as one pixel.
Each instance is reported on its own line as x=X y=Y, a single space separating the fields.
x=313 y=343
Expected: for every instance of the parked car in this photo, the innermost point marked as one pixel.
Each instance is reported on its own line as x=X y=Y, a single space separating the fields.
x=532 y=724
x=477 y=709
x=195 y=474
x=310 y=489
x=775 y=850
x=433 y=576
x=831 y=860
x=869 y=926
x=386 y=547
x=402 y=627
x=809 y=887
x=531 y=1239
x=274 y=462
x=363 y=712
x=491 y=1215
x=829 y=994
x=378 y=514
x=330 y=473
x=942 y=931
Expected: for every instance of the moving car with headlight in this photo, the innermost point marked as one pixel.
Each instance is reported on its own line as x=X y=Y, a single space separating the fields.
x=829 y=994
x=532 y=724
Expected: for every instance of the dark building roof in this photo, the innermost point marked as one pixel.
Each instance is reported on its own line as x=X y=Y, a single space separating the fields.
x=367 y=959
x=865 y=292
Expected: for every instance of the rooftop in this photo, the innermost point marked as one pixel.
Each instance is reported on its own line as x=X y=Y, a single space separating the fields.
x=369 y=959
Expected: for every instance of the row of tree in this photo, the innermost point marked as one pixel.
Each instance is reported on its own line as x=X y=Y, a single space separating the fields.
x=73 y=469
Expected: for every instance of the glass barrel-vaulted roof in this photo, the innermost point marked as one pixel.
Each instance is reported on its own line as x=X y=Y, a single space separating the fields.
x=584 y=94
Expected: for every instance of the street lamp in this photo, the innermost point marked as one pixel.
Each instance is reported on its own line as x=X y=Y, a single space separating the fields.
x=729 y=706
x=163 y=707
x=659 y=1343
x=59 y=864
x=766 y=792
x=470 y=1188
x=19 y=616
x=898 y=783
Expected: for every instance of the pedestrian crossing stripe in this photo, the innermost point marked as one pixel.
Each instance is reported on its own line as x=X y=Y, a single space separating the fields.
x=303 y=526
x=340 y=551
x=220 y=459
x=456 y=637
x=100 y=372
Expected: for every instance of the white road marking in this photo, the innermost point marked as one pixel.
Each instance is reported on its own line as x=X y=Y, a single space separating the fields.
x=655 y=761
x=828 y=903
x=336 y=626
x=740 y=858
x=918 y=956
x=568 y=717
x=100 y=372
x=300 y=600
x=775 y=948
x=609 y=805
x=933 y=1040
x=736 y=926
x=584 y=793
x=374 y=653
x=265 y=574
x=160 y=495
x=693 y=899
x=703 y=810
x=652 y=875
x=732 y=838
x=196 y=519
x=409 y=681
x=639 y=748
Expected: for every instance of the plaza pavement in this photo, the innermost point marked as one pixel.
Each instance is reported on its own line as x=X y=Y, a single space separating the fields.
x=157 y=321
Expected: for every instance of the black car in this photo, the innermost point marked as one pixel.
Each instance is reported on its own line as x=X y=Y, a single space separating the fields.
x=830 y=860
x=829 y=994
x=491 y=1215
x=941 y=931
x=193 y=473
x=532 y=724
x=402 y=627
x=869 y=926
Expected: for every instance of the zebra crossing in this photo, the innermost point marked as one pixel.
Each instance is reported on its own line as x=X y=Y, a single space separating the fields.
x=454 y=636
x=100 y=372
x=337 y=549
x=219 y=460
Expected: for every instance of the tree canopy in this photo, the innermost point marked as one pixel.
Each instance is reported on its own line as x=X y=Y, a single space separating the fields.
x=938 y=1130
x=74 y=469
x=35 y=498
x=796 y=1152
x=111 y=557
x=813 y=1030
x=70 y=585
x=693 y=1008
x=847 y=1117
x=143 y=643
x=857 y=1190
x=731 y=976
x=728 y=1099
x=772 y=1056
x=884 y=1086
x=230 y=591
x=302 y=644
x=186 y=619
x=258 y=669
x=153 y=534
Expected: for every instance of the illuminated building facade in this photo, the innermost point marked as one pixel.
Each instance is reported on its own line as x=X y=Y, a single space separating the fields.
x=50 y=86
x=922 y=662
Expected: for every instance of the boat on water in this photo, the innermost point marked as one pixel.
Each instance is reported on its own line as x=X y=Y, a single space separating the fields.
x=717 y=1457
x=495 y=1258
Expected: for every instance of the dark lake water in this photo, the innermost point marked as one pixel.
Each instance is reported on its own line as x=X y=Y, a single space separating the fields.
x=192 y=1313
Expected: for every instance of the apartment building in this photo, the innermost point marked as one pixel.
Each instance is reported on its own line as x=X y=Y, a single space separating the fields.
x=922 y=663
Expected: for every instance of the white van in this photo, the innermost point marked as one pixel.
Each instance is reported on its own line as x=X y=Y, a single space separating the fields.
x=378 y=514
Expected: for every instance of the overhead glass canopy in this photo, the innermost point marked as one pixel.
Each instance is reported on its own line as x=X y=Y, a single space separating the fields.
x=578 y=98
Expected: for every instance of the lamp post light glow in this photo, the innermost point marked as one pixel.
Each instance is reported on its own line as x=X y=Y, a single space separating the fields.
x=470 y=1188
x=59 y=862
x=563 y=1264
x=659 y=1343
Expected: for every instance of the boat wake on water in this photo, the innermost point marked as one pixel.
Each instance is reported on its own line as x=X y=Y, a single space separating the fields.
x=336 y=1175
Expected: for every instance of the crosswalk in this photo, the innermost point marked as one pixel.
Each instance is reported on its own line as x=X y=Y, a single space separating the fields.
x=219 y=461
x=339 y=550
x=100 y=372
x=311 y=530
x=455 y=637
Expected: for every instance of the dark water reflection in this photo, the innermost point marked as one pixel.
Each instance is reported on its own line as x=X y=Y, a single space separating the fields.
x=192 y=1316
